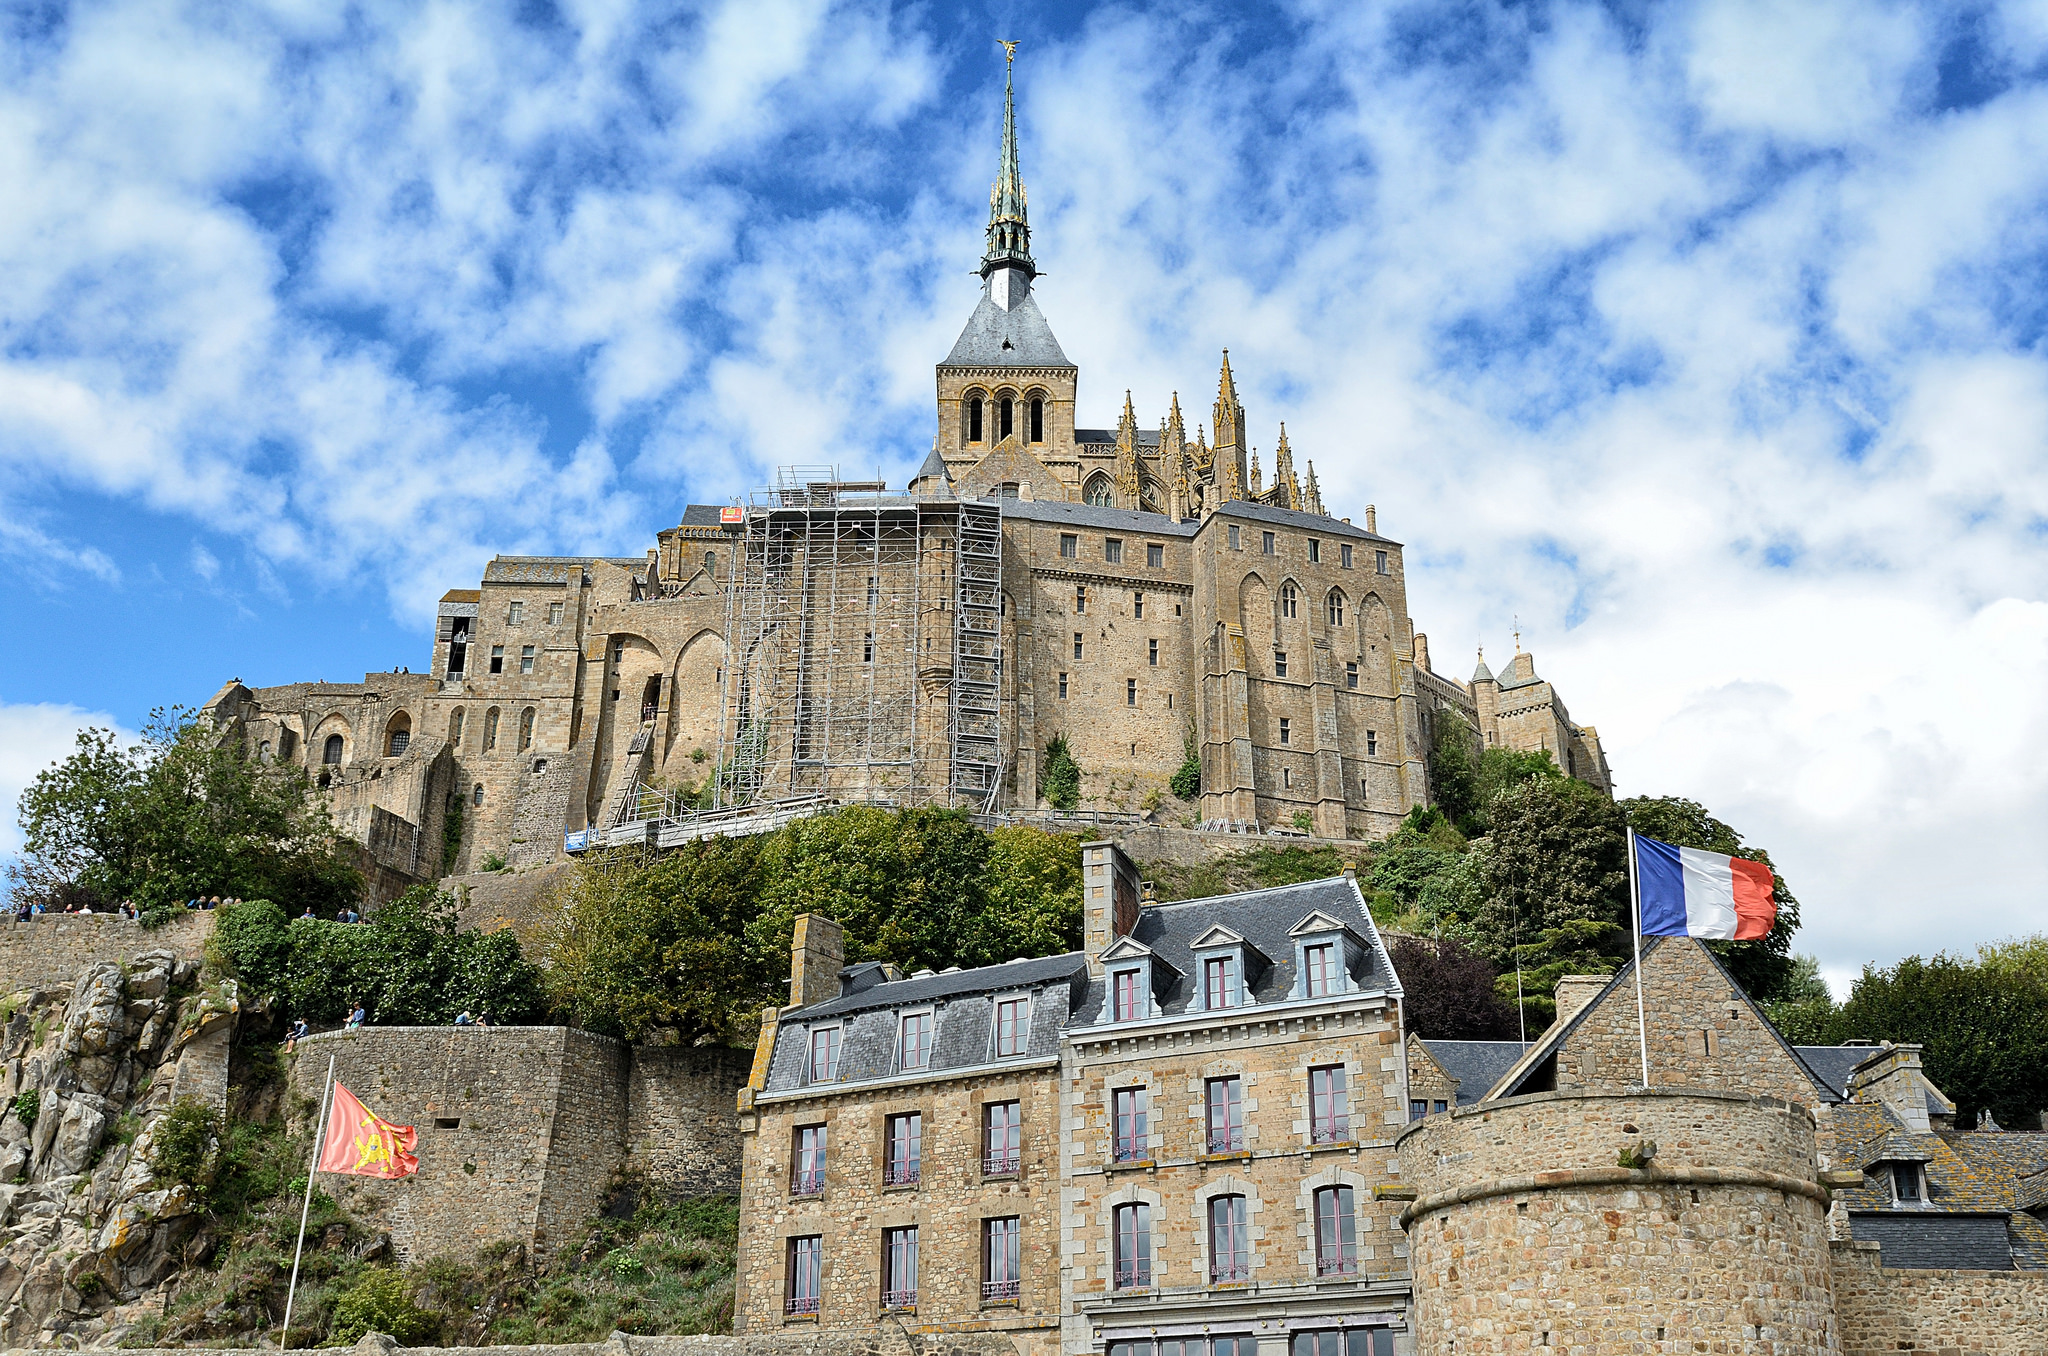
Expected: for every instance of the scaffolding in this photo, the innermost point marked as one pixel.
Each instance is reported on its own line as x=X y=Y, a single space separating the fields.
x=864 y=643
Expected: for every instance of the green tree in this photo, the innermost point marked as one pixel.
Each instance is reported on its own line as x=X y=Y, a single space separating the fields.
x=182 y=813
x=1034 y=897
x=1061 y=782
x=1983 y=1029
x=1764 y=968
x=1556 y=856
x=410 y=964
x=1454 y=770
x=253 y=939
x=1576 y=946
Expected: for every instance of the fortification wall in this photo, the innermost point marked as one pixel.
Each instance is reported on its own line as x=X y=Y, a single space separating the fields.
x=887 y=1338
x=1883 y=1309
x=1529 y=1232
x=56 y=948
x=682 y=1117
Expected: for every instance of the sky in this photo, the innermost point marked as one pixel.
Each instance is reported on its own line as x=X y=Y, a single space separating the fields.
x=1702 y=342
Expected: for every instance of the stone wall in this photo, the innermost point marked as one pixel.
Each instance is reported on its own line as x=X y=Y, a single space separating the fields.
x=1883 y=1309
x=682 y=1129
x=888 y=1339
x=1530 y=1231
x=520 y=900
x=56 y=948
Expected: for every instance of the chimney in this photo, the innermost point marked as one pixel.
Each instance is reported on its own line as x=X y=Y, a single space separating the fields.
x=816 y=955
x=1573 y=992
x=1422 y=653
x=1894 y=1077
x=1110 y=894
x=1372 y=518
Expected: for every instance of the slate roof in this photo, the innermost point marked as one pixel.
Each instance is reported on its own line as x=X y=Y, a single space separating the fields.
x=934 y=467
x=1832 y=1064
x=1961 y=1242
x=1145 y=438
x=1307 y=522
x=1264 y=918
x=1477 y=1065
x=1088 y=515
x=1974 y=1216
x=1018 y=337
x=700 y=515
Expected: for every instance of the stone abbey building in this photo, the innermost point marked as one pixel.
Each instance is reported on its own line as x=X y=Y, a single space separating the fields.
x=1136 y=591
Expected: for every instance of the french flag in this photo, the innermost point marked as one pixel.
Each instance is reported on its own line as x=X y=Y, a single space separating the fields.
x=1683 y=892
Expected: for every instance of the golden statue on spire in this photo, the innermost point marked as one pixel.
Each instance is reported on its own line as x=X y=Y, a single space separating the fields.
x=1009 y=51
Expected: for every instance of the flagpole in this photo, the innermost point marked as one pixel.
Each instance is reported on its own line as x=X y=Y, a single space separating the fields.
x=1635 y=900
x=319 y=1133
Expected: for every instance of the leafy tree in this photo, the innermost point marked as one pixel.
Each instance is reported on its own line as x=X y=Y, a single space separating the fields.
x=1576 y=946
x=1061 y=784
x=643 y=945
x=1450 y=993
x=1764 y=968
x=182 y=813
x=254 y=940
x=1804 y=1011
x=1454 y=770
x=410 y=964
x=1983 y=1028
x=1556 y=856
x=1034 y=897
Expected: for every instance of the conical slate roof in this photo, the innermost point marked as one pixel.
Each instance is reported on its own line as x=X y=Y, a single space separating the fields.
x=1018 y=337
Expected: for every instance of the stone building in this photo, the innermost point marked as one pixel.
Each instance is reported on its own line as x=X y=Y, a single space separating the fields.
x=1137 y=592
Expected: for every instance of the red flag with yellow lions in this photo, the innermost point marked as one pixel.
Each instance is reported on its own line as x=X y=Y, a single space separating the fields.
x=360 y=1144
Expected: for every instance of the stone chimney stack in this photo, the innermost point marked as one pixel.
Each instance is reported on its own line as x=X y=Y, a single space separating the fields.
x=1573 y=992
x=1372 y=518
x=1110 y=894
x=1893 y=1075
x=816 y=955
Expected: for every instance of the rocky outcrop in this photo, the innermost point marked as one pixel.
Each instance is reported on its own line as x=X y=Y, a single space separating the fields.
x=88 y=1234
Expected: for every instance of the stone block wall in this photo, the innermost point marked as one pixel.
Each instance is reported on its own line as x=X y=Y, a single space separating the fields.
x=56 y=948
x=1884 y=1309
x=682 y=1130
x=1529 y=1231
x=885 y=1340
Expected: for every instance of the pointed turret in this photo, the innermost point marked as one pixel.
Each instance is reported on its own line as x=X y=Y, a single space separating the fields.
x=1312 y=497
x=1482 y=674
x=1129 y=479
x=1287 y=487
x=1258 y=480
x=1230 y=435
x=1175 y=462
x=1009 y=227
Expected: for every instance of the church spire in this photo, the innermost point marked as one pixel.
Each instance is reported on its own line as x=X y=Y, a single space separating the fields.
x=1009 y=229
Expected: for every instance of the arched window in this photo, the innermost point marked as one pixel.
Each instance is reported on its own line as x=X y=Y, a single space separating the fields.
x=1100 y=492
x=711 y=563
x=490 y=729
x=455 y=728
x=974 y=418
x=263 y=752
x=1149 y=497
x=1289 y=600
x=476 y=797
x=1336 y=607
x=1230 y=1256
x=397 y=735
x=1007 y=490
x=331 y=753
x=1007 y=403
x=1037 y=419
x=526 y=729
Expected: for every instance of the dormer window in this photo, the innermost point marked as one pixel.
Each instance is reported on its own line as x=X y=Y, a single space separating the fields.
x=1227 y=965
x=1013 y=1028
x=914 y=1043
x=1326 y=955
x=825 y=1054
x=1906 y=1184
x=1130 y=994
x=1319 y=963
x=1219 y=982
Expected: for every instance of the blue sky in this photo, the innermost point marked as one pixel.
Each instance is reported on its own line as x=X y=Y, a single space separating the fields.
x=1705 y=339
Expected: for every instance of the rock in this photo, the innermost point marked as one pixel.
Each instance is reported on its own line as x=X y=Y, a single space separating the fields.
x=49 y=1116
x=97 y=1016
x=375 y=1344
x=13 y=1160
x=151 y=977
x=78 y=1134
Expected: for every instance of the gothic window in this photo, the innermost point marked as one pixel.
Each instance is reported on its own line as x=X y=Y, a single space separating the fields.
x=1100 y=492
x=1148 y=498
x=397 y=735
x=526 y=729
x=1006 y=406
x=1037 y=419
x=1288 y=601
x=1336 y=607
x=331 y=754
x=455 y=728
x=490 y=729
x=974 y=418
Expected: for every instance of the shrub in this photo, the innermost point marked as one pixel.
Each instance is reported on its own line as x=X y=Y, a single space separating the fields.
x=380 y=1301
x=1186 y=782
x=28 y=1106
x=1061 y=784
x=253 y=939
x=182 y=1145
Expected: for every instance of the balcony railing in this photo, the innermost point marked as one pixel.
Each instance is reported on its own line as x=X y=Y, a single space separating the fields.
x=800 y=1304
x=899 y=1299
x=1230 y=1273
x=996 y=1165
x=1000 y=1290
x=901 y=1174
x=809 y=1183
x=1336 y=1266
x=1226 y=1141
x=1133 y=1275
x=1131 y=1150
x=1331 y=1131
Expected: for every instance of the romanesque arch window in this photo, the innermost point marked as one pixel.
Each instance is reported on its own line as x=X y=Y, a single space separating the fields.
x=455 y=728
x=974 y=417
x=490 y=729
x=330 y=754
x=1100 y=491
x=1336 y=607
x=1003 y=429
x=1290 y=601
x=711 y=563
x=526 y=729
x=1038 y=419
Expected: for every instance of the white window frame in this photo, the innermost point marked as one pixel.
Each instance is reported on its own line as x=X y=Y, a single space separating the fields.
x=995 y=1035
x=929 y=1017
x=837 y=1031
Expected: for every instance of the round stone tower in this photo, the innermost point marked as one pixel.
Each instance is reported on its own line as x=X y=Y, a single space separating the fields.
x=1661 y=1220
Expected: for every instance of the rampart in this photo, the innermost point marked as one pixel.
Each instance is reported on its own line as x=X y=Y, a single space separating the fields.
x=54 y=949
x=523 y=1129
x=887 y=1338
x=1886 y=1309
x=1531 y=1227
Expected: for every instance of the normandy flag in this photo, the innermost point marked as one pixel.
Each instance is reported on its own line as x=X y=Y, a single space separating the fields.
x=360 y=1144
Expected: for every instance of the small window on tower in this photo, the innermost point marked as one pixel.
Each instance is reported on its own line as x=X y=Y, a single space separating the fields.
x=1372 y=742
x=1070 y=546
x=1315 y=551
x=1006 y=418
x=1379 y=561
x=1279 y=663
x=1077 y=644
x=1063 y=687
x=1130 y=692
x=1236 y=542
x=1080 y=597
x=1152 y=653
x=555 y=609
x=1351 y=675
x=1113 y=550
x=1266 y=545
x=1344 y=551
x=497 y=659
x=1155 y=555
x=1286 y=731
x=974 y=419
x=1138 y=607
x=1037 y=421
x=516 y=615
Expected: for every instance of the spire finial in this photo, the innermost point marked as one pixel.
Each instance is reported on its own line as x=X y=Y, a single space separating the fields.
x=1009 y=230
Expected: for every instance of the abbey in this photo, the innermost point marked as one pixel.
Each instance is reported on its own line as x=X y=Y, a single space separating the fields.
x=1142 y=594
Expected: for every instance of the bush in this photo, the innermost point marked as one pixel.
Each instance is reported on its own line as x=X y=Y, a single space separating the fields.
x=28 y=1106
x=182 y=1145
x=253 y=939
x=380 y=1301
x=1187 y=778
x=410 y=964
x=1061 y=784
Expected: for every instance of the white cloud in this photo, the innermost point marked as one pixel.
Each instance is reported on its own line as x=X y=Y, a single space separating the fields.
x=1701 y=339
x=34 y=735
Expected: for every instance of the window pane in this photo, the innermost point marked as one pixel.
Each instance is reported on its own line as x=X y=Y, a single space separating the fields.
x=1229 y=1259
x=1226 y=1115
x=1010 y=1028
x=1133 y=1246
x=825 y=1054
x=1130 y=1108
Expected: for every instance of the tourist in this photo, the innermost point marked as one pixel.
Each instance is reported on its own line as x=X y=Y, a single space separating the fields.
x=355 y=1016
x=308 y=913
x=291 y=1037
x=464 y=1019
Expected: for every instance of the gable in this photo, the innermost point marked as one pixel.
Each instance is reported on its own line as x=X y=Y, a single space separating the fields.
x=1701 y=1031
x=1124 y=948
x=1217 y=936
x=1010 y=464
x=1316 y=922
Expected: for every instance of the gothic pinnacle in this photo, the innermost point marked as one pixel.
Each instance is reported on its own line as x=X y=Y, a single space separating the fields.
x=1009 y=229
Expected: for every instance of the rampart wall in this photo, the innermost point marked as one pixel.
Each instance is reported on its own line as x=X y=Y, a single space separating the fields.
x=523 y=1129
x=884 y=1339
x=1887 y=1309
x=56 y=948
x=1530 y=1231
